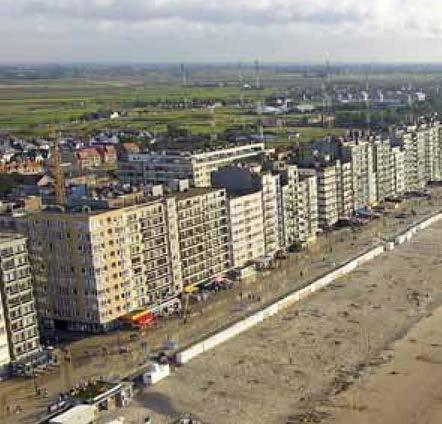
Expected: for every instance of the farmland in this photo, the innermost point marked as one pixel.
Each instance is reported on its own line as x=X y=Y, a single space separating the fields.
x=79 y=101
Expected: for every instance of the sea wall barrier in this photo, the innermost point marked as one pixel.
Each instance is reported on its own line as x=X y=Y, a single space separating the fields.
x=300 y=293
x=408 y=234
x=287 y=300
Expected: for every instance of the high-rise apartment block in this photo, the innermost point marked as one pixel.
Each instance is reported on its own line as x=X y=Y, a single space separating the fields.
x=90 y=267
x=246 y=221
x=19 y=335
x=203 y=234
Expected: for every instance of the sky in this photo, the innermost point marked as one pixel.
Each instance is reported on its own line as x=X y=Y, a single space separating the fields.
x=299 y=31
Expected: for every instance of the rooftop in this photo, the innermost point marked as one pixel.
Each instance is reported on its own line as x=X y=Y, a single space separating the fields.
x=8 y=237
x=194 y=191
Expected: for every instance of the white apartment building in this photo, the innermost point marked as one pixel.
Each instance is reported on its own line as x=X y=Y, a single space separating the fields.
x=383 y=168
x=360 y=153
x=18 y=304
x=272 y=212
x=239 y=181
x=328 y=212
x=414 y=147
x=5 y=358
x=309 y=207
x=246 y=223
x=344 y=189
x=299 y=207
x=432 y=151
x=399 y=172
x=158 y=167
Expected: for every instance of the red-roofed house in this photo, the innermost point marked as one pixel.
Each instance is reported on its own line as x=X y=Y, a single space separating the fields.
x=108 y=154
x=87 y=158
x=125 y=149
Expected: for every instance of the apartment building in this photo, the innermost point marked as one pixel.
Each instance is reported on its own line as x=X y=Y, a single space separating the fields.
x=309 y=208
x=354 y=160
x=399 y=172
x=246 y=222
x=345 y=202
x=92 y=266
x=430 y=133
x=297 y=206
x=383 y=168
x=203 y=233
x=360 y=153
x=158 y=167
x=5 y=358
x=413 y=142
x=19 y=324
x=327 y=189
x=272 y=208
x=239 y=181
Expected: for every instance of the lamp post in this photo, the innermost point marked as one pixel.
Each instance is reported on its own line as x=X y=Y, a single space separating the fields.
x=34 y=377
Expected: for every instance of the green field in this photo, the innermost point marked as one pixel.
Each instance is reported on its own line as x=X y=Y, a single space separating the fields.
x=30 y=100
x=27 y=109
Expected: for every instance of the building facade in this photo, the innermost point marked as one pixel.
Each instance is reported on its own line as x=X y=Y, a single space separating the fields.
x=118 y=261
x=246 y=222
x=203 y=234
x=164 y=166
x=18 y=303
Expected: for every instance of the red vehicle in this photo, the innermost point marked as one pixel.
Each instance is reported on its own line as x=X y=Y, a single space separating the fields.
x=140 y=319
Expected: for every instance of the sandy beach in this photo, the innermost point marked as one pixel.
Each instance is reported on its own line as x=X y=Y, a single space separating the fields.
x=406 y=390
x=302 y=365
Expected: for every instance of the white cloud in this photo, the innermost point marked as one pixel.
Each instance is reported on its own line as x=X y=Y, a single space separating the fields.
x=220 y=29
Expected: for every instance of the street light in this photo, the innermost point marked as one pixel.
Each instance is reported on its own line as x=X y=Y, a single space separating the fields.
x=34 y=377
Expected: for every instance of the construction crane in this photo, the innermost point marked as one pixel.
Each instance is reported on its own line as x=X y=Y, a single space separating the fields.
x=57 y=172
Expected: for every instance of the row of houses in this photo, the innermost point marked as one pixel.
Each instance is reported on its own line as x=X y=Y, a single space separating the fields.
x=97 y=156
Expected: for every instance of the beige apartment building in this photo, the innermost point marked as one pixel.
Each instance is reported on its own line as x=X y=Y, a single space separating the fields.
x=197 y=165
x=246 y=222
x=203 y=233
x=19 y=326
x=91 y=267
